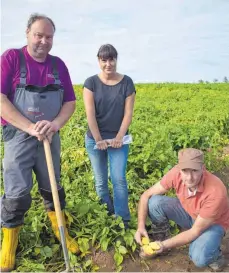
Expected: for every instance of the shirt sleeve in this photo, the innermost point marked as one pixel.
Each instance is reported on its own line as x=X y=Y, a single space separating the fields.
x=212 y=208
x=168 y=180
x=89 y=84
x=7 y=71
x=130 y=88
x=69 y=94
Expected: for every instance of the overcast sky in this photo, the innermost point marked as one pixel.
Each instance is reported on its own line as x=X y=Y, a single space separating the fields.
x=157 y=40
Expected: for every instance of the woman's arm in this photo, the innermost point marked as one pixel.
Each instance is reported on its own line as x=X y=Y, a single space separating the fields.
x=92 y=123
x=128 y=114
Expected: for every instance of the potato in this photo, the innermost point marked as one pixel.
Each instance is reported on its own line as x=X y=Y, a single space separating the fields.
x=148 y=250
x=145 y=241
x=154 y=246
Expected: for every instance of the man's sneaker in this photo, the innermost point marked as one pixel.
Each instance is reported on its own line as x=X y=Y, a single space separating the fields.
x=219 y=264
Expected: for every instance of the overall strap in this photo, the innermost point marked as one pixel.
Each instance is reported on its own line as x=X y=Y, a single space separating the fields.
x=23 y=69
x=55 y=71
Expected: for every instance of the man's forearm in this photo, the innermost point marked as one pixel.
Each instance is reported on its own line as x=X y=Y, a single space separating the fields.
x=65 y=113
x=12 y=115
x=142 y=211
x=181 y=239
x=144 y=200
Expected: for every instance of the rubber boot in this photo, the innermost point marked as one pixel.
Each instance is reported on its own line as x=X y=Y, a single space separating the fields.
x=9 y=246
x=70 y=242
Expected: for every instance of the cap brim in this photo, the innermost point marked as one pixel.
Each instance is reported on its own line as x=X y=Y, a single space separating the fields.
x=190 y=165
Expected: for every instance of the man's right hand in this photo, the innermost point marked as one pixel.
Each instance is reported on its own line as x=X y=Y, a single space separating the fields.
x=31 y=131
x=141 y=232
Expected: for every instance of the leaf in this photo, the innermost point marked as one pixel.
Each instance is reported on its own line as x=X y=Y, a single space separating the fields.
x=83 y=244
x=94 y=268
x=105 y=231
x=55 y=248
x=88 y=263
x=121 y=225
x=93 y=239
x=134 y=246
x=118 y=258
x=104 y=243
x=122 y=250
x=119 y=268
x=46 y=251
x=69 y=217
x=37 y=250
x=118 y=243
x=83 y=209
x=128 y=238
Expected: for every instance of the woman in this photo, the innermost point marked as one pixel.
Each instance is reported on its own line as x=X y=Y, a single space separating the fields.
x=109 y=102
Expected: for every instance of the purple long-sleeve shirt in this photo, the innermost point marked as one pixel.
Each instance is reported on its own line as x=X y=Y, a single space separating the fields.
x=38 y=73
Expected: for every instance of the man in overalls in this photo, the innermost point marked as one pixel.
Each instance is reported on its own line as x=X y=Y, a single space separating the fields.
x=37 y=99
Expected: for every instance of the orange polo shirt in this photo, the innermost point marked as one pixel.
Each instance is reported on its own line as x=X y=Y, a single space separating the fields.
x=210 y=201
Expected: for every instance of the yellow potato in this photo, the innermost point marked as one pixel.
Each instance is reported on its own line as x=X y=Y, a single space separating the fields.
x=148 y=250
x=154 y=246
x=145 y=241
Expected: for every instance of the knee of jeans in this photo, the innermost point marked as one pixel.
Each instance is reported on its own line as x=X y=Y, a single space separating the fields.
x=119 y=181
x=101 y=182
x=100 y=177
x=199 y=258
x=9 y=164
x=47 y=195
x=48 y=198
x=155 y=201
x=13 y=209
x=21 y=203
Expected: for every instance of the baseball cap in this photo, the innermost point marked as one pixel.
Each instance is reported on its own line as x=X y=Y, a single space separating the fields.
x=190 y=158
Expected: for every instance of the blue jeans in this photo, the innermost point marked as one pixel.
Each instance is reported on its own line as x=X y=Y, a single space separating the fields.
x=202 y=251
x=117 y=164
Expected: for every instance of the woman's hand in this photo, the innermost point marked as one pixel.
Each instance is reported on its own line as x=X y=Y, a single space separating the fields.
x=116 y=142
x=102 y=145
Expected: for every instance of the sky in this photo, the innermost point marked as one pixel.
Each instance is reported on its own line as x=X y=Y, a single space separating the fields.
x=157 y=41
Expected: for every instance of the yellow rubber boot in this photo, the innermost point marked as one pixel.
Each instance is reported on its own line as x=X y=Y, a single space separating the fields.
x=70 y=242
x=9 y=246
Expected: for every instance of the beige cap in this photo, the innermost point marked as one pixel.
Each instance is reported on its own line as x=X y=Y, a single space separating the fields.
x=190 y=158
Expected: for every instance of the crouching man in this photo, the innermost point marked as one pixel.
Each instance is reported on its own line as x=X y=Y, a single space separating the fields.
x=201 y=208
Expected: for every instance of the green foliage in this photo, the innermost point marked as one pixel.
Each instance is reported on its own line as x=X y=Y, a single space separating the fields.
x=167 y=117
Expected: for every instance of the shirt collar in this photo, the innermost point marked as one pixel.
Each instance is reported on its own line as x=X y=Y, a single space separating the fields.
x=192 y=193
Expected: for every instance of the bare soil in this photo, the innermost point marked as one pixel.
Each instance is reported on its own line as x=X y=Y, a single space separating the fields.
x=176 y=260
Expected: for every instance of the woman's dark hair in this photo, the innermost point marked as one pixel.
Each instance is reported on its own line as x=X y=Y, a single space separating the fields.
x=35 y=17
x=106 y=52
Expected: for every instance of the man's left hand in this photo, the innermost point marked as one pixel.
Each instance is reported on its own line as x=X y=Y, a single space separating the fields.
x=162 y=247
x=49 y=137
x=46 y=127
x=146 y=256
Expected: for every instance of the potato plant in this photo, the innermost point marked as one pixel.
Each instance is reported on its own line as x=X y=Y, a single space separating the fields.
x=167 y=117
